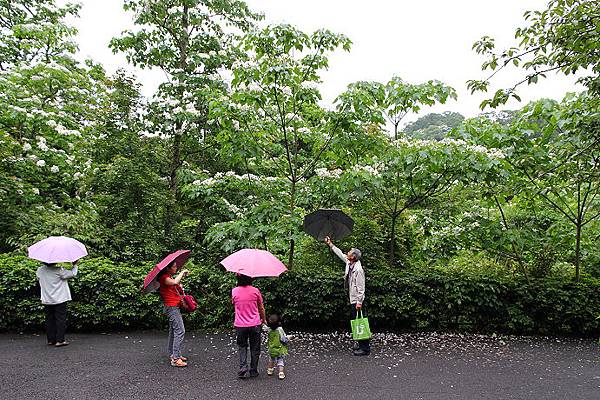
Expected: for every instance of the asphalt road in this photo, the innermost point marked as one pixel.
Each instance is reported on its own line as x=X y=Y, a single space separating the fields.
x=433 y=366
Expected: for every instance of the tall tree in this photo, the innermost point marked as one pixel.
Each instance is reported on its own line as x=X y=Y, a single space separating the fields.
x=273 y=112
x=48 y=103
x=563 y=38
x=414 y=172
x=553 y=152
x=191 y=41
x=375 y=102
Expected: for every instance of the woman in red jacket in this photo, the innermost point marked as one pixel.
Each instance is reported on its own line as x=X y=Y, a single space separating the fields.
x=170 y=290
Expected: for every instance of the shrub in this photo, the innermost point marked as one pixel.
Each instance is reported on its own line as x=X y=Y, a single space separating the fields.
x=107 y=296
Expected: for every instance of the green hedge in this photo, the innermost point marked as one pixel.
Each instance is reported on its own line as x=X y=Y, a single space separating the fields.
x=107 y=297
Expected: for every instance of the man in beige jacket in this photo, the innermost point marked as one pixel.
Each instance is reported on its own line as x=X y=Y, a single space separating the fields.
x=354 y=280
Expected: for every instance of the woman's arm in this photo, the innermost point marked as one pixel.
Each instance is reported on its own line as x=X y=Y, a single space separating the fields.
x=175 y=281
x=261 y=312
x=68 y=274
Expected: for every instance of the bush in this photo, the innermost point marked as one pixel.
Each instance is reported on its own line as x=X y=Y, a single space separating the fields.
x=108 y=297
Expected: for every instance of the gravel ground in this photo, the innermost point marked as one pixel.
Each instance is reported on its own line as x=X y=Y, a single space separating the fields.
x=320 y=366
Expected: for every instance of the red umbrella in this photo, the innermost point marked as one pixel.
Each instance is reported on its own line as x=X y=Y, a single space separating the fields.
x=150 y=283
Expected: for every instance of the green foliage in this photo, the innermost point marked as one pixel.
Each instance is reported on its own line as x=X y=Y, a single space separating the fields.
x=564 y=37
x=433 y=126
x=236 y=146
x=374 y=102
x=107 y=296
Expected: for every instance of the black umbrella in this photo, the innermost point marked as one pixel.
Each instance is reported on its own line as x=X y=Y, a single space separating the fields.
x=328 y=222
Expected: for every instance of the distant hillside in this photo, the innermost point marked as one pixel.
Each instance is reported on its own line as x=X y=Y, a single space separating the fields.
x=434 y=125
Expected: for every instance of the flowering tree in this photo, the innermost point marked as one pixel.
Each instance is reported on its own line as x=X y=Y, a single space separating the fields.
x=48 y=103
x=562 y=38
x=191 y=41
x=272 y=112
x=413 y=172
x=552 y=149
x=378 y=103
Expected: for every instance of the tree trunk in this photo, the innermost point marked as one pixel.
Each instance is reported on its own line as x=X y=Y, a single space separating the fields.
x=292 y=209
x=393 y=241
x=577 y=248
x=512 y=243
x=170 y=211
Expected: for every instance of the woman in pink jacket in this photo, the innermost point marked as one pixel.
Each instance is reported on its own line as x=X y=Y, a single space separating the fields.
x=249 y=317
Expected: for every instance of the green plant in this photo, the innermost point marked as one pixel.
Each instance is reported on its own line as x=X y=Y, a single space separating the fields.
x=107 y=296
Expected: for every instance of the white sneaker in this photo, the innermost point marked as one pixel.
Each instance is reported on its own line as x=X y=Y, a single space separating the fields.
x=281 y=375
x=270 y=371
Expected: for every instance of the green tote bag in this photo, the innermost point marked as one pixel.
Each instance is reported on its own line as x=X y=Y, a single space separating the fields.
x=360 y=327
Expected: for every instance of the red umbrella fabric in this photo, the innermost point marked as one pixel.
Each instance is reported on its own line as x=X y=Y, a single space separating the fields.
x=150 y=283
x=254 y=263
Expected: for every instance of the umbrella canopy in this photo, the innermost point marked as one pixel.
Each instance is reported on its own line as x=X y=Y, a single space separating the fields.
x=254 y=263
x=56 y=249
x=328 y=222
x=150 y=283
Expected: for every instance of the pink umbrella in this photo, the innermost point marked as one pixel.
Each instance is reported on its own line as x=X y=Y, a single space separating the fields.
x=150 y=283
x=254 y=263
x=56 y=249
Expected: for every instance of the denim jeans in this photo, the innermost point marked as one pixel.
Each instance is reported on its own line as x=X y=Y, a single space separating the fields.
x=278 y=361
x=364 y=345
x=56 y=322
x=249 y=335
x=176 y=331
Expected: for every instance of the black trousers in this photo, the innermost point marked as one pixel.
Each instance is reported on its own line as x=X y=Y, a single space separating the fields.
x=56 y=322
x=364 y=345
x=249 y=335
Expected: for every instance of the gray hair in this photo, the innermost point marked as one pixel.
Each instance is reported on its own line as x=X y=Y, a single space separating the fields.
x=356 y=253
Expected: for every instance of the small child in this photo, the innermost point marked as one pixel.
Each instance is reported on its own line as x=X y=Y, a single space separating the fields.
x=277 y=343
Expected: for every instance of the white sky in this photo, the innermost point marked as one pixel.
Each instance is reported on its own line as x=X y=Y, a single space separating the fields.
x=417 y=40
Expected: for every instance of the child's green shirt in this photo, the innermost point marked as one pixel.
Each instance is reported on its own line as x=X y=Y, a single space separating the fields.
x=277 y=343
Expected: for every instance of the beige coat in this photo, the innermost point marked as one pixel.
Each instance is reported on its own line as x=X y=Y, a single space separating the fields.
x=356 y=283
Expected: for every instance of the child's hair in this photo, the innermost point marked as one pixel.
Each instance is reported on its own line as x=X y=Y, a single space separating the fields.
x=244 y=280
x=274 y=321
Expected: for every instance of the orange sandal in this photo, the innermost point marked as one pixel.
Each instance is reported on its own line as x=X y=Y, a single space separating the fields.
x=181 y=358
x=178 y=363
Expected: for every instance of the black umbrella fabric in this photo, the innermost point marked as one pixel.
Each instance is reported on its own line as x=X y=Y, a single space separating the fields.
x=328 y=222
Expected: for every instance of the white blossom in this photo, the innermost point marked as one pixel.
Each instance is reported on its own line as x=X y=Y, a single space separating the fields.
x=40 y=163
x=54 y=168
x=325 y=173
x=310 y=85
x=367 y=168
x=26 y=147
x=35 y=190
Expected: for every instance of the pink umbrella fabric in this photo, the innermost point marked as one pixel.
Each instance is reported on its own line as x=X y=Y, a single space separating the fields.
x=56 y=249
x=150 y=283
x=254 y=263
